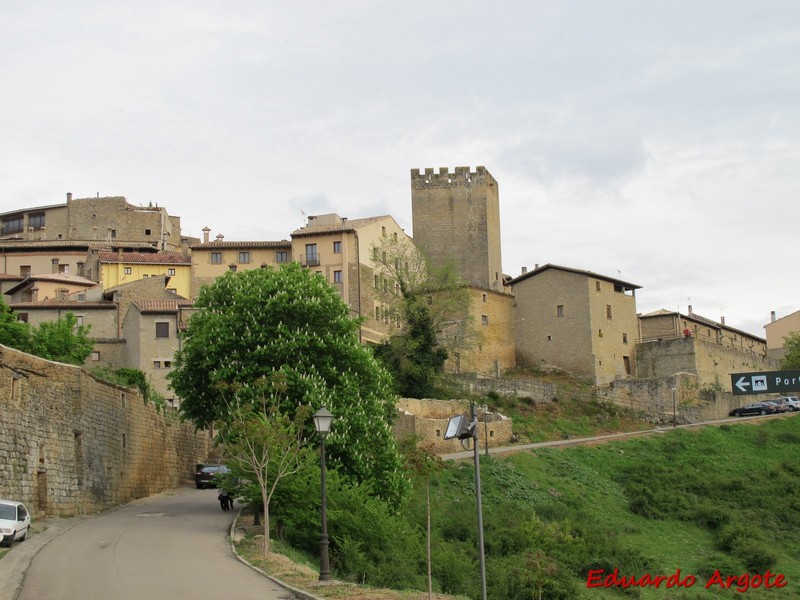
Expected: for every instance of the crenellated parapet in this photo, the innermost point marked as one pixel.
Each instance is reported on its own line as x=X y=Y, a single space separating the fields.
x=421 y=178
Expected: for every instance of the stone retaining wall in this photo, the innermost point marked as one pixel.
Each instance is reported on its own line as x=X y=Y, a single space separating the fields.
x=73 y=444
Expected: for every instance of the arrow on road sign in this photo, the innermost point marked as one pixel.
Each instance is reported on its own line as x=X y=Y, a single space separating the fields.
x=742 y=384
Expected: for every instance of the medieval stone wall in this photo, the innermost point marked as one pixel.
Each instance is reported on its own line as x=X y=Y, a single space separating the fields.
x=427 y=421
x=73 y=444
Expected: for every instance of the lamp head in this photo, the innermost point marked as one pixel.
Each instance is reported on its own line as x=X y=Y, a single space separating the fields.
x=322 y=421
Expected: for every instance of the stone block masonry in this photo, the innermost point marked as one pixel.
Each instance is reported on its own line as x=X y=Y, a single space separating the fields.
x=73 y=444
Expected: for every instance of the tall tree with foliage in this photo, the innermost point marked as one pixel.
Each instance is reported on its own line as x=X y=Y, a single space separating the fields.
x=791 y=359
x=256 y=323
x=432 y=306
x=261 y=443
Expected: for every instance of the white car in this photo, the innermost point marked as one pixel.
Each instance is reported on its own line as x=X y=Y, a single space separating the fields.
x=15 y=521
x=790 y=403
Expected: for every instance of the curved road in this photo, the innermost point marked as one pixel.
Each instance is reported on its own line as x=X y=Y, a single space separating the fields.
x=166 y=547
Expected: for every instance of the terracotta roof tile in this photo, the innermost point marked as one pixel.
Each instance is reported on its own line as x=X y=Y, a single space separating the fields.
x=172 y=258
x=160 y=306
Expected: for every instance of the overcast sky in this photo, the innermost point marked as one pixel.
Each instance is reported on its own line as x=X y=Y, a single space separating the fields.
x=656 y=142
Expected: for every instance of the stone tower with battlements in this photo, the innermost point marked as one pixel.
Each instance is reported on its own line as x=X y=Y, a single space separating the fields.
x=456 y=219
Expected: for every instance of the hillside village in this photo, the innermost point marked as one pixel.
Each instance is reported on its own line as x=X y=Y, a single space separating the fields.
x=132 y=274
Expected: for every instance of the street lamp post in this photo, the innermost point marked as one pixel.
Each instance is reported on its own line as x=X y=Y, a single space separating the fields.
x=478 y=499
x=322 y=422
x=674 y=407
x=485 y=409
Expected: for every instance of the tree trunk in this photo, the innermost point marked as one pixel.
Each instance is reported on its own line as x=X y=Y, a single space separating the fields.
x=266 y=525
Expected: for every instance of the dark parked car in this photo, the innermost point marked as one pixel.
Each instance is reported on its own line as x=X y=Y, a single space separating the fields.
x=206 y=475
x=757 y=408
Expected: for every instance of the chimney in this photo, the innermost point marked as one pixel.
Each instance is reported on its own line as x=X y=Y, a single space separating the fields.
x=206 y=231
x=690 y=309
x=722 y=320
x=69 y=197
x=772 y=316
x=220 y=237
x=524 y=270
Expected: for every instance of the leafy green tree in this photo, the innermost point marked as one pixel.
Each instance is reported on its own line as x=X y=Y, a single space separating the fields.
x=62 y=340
x=791 y=359
x=433 y=307
x=263 y=444
x=255 y=323
x=13 y=332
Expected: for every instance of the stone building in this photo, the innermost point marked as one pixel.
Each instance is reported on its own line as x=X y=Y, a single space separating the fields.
x=577 y=321
x=342 y=251
x=777 y=330
x=671 y=342
x=462 y=206
x=68 y=257
x=211 y=259
x=151 y=329
x=456 y=220
x=39 y=288
x=115 y=268
x=112 y=220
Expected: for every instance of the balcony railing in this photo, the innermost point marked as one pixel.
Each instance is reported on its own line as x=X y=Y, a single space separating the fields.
x=310 y=260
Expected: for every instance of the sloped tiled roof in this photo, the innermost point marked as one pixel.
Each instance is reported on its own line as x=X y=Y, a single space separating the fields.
x=62 y=304
x=549 y=266
x=344 y=225
x=167 y=258
x=55 y=278
x=160 y=306
x=241 y=244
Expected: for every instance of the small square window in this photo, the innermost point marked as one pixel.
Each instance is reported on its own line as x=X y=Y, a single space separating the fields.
x=167 y=364
x=156 y=364
x=171 y=272
x=95 y=356
x=337 y=247
x=147 y=231
x=624 y=338
x=216 y=258
x=560 y=310
x=244 y=258
x=281 y=256
x=484 y=320
x=127 y=270
x=162 y=330
x=485 y=297
x=608 y=311
x=337 y=277
x=597 y=286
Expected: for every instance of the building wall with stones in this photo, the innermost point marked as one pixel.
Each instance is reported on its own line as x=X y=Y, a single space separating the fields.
x=427 y=420
x=710 y=362
x=456 y=220
x=73 y=444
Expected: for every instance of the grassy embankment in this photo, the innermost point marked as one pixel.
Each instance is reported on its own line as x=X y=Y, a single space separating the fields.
x=725 y=498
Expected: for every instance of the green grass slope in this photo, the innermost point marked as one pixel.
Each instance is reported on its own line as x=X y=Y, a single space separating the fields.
x=710 y=502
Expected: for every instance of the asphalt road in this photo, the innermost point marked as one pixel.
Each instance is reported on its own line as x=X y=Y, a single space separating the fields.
x=167 y=547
